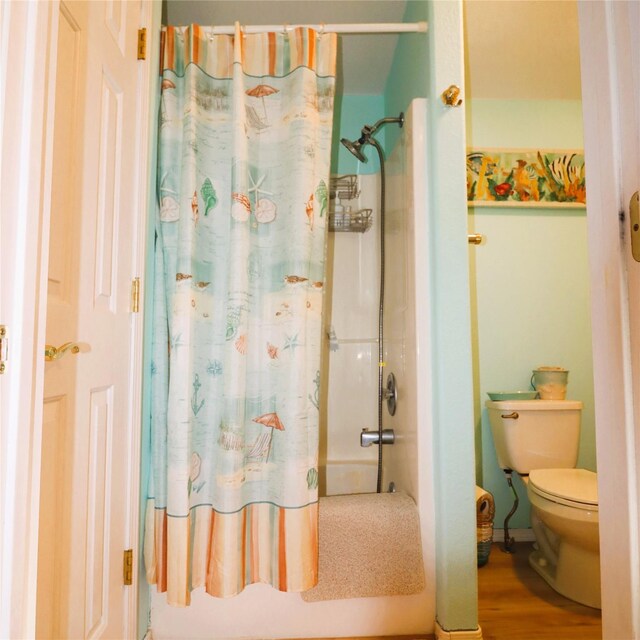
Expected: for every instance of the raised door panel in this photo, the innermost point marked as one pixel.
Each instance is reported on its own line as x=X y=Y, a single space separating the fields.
x=65 y=192
x=98 y=490
x=115 y=21
x=109 y=189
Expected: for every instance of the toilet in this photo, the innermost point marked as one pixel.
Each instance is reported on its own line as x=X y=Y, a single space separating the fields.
x=539 y=440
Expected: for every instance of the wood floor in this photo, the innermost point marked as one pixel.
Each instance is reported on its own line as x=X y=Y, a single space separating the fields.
x=515 y=603
x=412 y=637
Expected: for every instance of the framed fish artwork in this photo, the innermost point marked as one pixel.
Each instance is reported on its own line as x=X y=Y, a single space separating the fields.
x=529 y=178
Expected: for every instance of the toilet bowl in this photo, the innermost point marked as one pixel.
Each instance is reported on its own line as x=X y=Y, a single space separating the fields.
x=564 y=518
x=539 y=440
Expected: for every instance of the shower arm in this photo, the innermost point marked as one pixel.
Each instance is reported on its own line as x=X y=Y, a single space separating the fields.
x=369 y=130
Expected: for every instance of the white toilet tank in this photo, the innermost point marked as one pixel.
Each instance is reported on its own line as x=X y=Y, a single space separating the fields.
x=535 y=434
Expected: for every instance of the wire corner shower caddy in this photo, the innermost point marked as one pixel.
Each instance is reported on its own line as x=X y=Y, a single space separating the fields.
x=344 y=218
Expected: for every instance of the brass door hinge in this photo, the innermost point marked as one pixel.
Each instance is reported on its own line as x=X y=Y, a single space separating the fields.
x=135 y=295
x=634 y=219
x=4 y=348
x=142 y=44
x=127 y=567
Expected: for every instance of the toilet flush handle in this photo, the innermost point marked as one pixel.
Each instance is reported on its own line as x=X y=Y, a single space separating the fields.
x=511 y=416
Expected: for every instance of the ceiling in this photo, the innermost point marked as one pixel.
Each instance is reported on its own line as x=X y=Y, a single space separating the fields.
x=515 y=49
x=526 y=49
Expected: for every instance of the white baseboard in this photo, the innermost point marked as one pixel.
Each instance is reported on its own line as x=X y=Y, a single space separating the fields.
x=519 y=535
x=463 y=634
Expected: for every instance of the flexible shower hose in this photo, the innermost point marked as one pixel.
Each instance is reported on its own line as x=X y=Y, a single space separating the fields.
x=376 y=144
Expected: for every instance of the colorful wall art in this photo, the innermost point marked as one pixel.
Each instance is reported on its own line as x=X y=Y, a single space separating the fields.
x=525 y=178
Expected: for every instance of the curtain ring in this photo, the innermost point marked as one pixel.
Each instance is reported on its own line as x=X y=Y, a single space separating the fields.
x=285 y=28
x=322 y=25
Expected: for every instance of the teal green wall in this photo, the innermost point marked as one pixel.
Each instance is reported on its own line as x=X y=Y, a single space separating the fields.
x=450 y=321
x=524 y=124
x=351 y=113
x=423 y=66
x=409 y=70
x=407 y=80
x=530 y=285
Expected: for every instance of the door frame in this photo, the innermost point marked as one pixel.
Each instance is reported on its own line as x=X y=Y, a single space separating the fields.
x=605 y=49
x=28 y=36
x=28 y=29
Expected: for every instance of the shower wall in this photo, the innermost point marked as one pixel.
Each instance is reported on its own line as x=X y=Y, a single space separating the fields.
x=350 y=351
x=407 y=346
x=351 y=348
x=351 y=336
x=260 y=611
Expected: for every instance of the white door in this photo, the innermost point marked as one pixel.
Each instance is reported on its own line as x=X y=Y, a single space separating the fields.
x=89 y=463
x=609 y=33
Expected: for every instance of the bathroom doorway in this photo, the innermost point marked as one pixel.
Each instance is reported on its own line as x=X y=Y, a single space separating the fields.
x=530 y=277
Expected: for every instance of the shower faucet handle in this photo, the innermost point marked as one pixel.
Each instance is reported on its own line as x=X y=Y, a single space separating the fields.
x=367 y=438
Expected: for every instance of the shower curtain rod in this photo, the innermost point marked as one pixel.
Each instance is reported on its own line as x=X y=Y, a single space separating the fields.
x=374 y=27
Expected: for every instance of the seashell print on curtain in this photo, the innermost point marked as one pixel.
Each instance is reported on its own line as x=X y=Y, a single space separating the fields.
x=243 y=169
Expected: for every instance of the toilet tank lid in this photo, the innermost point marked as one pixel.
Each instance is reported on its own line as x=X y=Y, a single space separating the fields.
x=576 y=485
x=534 y=405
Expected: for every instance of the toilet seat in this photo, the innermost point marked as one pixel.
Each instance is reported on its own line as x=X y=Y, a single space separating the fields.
x=576 y=488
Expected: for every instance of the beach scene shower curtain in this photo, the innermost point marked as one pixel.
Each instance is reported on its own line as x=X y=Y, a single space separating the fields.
x=243 y=175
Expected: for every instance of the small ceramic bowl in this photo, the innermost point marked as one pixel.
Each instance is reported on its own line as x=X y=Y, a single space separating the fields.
x=512 y=395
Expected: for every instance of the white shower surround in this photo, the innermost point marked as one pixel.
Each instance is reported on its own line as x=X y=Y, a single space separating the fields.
x=261 y=612
x=347 y=477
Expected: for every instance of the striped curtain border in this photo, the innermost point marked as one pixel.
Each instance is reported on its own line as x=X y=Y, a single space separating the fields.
x=261 y=54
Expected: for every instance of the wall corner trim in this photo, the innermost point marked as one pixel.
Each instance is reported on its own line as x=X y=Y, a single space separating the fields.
x=463 y=634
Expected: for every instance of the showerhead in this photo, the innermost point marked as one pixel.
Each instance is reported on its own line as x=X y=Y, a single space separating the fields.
x=355 y=146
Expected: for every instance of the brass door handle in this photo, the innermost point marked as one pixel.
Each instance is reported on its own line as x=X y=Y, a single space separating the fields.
x=512 y=416
x=475 y=238
x=55 y=353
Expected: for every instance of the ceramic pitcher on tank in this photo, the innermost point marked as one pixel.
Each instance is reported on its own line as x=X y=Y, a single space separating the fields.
x=550 y=382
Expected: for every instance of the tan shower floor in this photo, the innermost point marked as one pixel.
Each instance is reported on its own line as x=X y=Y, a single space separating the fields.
x=515 y=603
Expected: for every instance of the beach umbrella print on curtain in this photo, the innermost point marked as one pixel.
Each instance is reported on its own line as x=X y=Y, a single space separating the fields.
x=270 y=420
x=261 y=91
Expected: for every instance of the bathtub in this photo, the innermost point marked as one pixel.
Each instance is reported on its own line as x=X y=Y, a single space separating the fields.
x=350 y=476
x=262 y=612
